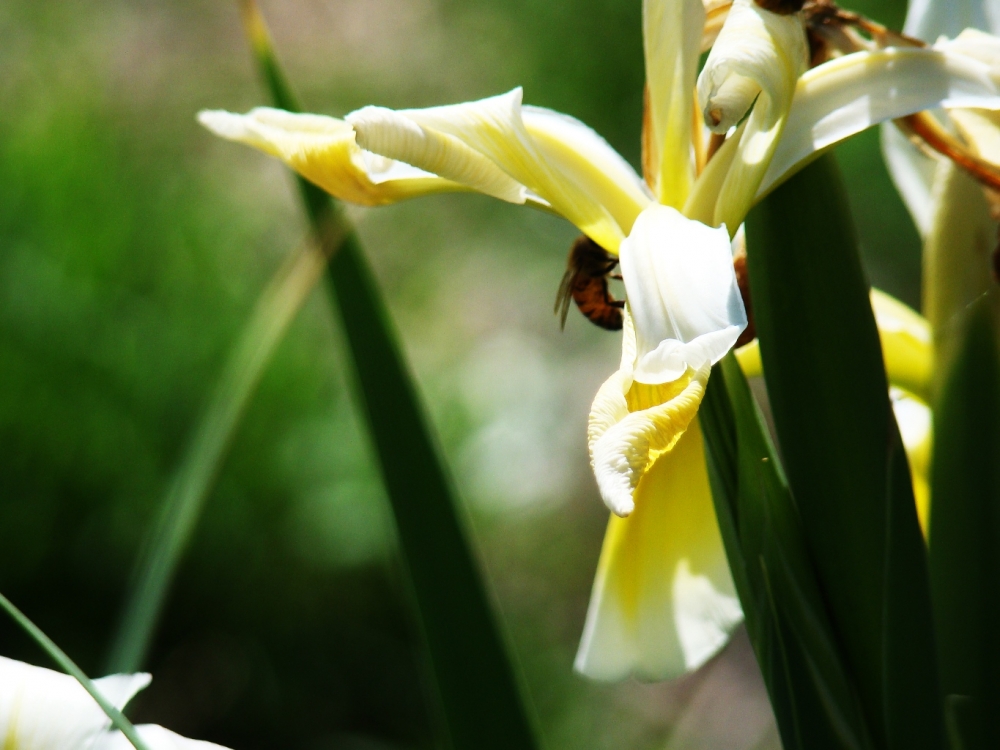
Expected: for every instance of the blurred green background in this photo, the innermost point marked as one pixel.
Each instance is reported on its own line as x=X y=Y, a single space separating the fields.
x=133 y=246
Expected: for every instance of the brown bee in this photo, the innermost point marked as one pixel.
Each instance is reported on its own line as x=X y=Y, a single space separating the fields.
x=586 y=283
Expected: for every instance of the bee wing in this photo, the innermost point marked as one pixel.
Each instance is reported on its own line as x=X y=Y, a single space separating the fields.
x=563 y=297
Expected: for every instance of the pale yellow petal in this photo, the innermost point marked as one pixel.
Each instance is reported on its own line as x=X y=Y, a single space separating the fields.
x=324 y=151
x=916 y=428
x=588 y=161
x=672 y=31
x=906 y=344
x=663 y=601
x=495 y=128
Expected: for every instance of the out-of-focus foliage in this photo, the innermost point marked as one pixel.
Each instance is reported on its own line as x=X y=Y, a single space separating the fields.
x=132 y=249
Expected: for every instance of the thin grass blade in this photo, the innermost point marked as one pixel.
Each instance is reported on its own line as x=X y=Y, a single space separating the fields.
x=203 y=458
x=479 y=691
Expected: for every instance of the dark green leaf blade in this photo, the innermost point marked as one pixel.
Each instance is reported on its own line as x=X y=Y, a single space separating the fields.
x=965 y=535
x=479 y=690
x=842 y=451
x=814 y=701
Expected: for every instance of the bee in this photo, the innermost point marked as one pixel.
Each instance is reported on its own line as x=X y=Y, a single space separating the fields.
x=586 y=283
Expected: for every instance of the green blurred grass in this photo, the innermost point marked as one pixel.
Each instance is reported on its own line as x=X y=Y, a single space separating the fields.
x=133 y=246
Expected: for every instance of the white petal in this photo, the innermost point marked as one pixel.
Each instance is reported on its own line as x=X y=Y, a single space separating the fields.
x=848 y=94
x=930 y=19
x=41 y=709
x=663 y=600
x=324 y=151
x=672 y=31
x=494 y=127
x=682 y=294
x=588 y=161
x=912 y=171
x=915 y=421
x=755 y=63
x=156 y=738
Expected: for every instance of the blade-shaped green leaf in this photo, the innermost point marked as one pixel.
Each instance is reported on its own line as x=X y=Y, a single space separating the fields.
x=814 y=701
x=842 y=451
x=193 y=480
x=965 y=531
x=480 y=697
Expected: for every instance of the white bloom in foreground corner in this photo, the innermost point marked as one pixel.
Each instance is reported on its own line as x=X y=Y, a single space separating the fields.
x=45 y=710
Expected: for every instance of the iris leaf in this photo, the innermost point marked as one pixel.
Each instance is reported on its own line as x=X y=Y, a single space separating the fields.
x=813 y=698
x=477 y=684
x=965 y=531
x=842 y=451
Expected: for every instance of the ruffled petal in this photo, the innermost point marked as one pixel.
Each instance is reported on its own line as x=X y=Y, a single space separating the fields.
x=682 y=294
x=325 y=152
x=672 y=31
x=663 y=601
x=754 y=63
x=848 y=94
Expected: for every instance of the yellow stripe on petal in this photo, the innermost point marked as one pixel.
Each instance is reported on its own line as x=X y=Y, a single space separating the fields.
x=663 y=601
x=324 y=151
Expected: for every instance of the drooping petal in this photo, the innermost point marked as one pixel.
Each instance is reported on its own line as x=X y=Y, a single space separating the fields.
x=915 y=422
x=588 y=161
x=846 y=95
x=672 y=31
x=41 y=709
x=682 y=294
x=324 y=151
x=156 y=738
x=493 y=128
x=663 y=601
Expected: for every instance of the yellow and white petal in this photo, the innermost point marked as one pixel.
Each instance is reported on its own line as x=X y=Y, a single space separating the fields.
x=672 y=33
x=848 y=94
x=915 y=422
x=630 y=430
x=682 y=294
x=588 y=161
x=156 y=738
x=41 y=709
x=324 y=151
x=663 y=601
x=755 y=63
x=495 y=129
